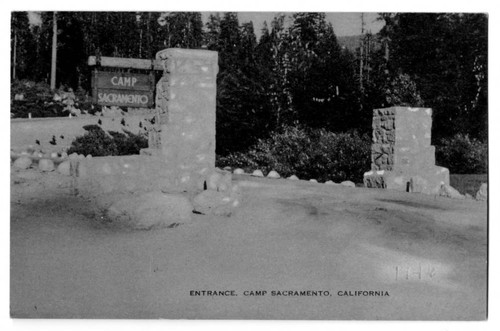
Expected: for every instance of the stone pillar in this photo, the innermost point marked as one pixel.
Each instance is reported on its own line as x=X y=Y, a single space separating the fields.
x=402 y=156
x=185 y=107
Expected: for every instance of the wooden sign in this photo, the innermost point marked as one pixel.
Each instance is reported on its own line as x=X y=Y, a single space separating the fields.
x=124 y=89
x=123 y=81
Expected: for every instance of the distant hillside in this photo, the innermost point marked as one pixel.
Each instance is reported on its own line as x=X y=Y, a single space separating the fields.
x=349 y=42
x=352 y=42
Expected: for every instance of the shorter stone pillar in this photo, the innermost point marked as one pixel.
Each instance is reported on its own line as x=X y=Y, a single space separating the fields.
x=402 y=156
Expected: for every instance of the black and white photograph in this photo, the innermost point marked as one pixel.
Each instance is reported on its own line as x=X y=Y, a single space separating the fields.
x=249 y=165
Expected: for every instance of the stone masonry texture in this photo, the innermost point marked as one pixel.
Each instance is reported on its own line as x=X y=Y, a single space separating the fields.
x=186 y=99
x=402 y=157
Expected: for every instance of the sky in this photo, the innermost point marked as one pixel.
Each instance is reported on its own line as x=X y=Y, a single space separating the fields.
x=344 y=24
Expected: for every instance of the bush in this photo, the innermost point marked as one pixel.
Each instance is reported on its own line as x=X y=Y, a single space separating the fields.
x=462 y=155
x=307 y=153
x=99 y=143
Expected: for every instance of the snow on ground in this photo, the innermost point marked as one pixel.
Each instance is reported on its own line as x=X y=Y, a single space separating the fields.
x=428 y=253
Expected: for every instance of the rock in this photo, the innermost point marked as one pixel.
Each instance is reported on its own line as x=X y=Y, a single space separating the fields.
x=46 y=165
x=468 y=196
x=89 y=156
x=219 y=181
x=227 y=168
x=273 y=174
x=54 y=155
x=449 y=192
x=482 y=194
x=64 y=155
x=329 y=182
x=213 y=181
x=31 y=175
x=293 y=177
x=73 y=156
x=22 y=162
x=238 y=171
x=372 y=180
x=257 y=173
x=81 y=156
x=225 y=183
x=217 y=203
x=348 y=183
x=64 y=168
x=149 y=210
x=313 y=180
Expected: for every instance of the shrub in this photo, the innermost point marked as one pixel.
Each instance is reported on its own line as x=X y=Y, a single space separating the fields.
x=462 y=155
x=307 y=153
x=128 y=143
x=99 y=143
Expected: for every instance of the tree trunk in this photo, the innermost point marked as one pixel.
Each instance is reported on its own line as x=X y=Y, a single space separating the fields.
x=14 y=57
x=54 y=53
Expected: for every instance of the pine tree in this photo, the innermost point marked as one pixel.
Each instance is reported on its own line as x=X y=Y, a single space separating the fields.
x=274 y=62
x=321 y=80
x=446 y=56
x=180 y=29
x=241 y=114
x=212 y=33
x=21 y=42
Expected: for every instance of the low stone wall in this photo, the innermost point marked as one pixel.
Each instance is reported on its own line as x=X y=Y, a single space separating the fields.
x=25 y=132
x=131 y=173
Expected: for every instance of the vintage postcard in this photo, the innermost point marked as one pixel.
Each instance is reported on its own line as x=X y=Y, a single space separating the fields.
x=249 y=165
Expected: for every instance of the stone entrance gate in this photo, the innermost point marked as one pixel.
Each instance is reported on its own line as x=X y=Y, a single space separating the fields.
x=181 y=151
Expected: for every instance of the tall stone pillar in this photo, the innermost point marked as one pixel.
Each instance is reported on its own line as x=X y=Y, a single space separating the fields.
x=184 y=134
x=402 y=156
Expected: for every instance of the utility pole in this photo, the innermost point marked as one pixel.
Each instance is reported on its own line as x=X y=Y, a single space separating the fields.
x=54 y=53
x=361 y=51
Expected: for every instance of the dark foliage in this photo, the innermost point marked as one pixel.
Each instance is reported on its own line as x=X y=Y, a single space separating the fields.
x=97 y=142
x=307 y=153
x=37 y=99
x=40 y=101
x=462 y=155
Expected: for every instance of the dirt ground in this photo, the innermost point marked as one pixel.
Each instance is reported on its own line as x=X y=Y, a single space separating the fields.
x=426 y=254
